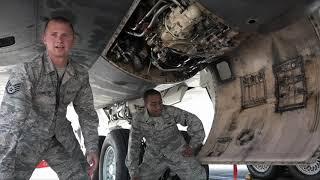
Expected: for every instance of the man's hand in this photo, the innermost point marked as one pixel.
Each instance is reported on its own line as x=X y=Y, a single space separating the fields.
x=93 y=160
x=187 y=152
x=135 y=178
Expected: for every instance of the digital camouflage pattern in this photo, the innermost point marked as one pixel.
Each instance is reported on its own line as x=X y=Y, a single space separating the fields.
x=33 y=122
x=164 y=145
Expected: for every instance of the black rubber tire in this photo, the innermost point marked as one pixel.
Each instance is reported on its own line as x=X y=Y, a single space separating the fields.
x=118 y=140
x=298 y=174
x=271 y=173
x=96 y=173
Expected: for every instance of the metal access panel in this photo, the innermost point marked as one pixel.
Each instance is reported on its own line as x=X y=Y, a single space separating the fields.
x=291 y=89
x=253 y=89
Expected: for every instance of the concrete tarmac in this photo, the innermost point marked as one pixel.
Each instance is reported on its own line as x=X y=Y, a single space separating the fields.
x=225 y=172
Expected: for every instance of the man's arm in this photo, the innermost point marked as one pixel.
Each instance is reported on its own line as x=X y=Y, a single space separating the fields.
x=132 y=160
x=16 y=102
x=88 y=118
x=195 y=127
x=15 y=108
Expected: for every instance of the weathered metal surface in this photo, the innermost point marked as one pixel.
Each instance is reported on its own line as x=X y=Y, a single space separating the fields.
x=260 y=132
x=110 y=84
x=262 y=16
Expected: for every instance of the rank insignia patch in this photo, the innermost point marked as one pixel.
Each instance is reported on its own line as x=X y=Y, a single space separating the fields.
x=12 y=88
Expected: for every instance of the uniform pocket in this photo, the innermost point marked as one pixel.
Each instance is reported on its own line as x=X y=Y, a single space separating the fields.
x=70 y=90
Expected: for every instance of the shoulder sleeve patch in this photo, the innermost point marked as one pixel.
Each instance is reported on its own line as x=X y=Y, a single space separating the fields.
x=12 y=88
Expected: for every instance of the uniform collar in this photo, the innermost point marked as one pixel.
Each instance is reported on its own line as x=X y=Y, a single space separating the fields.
x=69 y=73
x=146 y=114
x=49 y=67
x=47 y=63
x=147 y=117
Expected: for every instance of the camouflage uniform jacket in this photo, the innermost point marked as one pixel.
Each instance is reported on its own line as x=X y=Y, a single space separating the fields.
x=35 y=101
x=162 y=135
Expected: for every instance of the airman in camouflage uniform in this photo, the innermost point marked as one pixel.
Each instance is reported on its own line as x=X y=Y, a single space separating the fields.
x=33 y=124
x=165 y=146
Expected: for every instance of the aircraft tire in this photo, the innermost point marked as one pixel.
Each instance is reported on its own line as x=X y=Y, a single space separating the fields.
x=306 y=172
x=113 y=154
x=263 y=172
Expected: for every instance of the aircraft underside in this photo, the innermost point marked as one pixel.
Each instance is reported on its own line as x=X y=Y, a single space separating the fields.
x=258 y=61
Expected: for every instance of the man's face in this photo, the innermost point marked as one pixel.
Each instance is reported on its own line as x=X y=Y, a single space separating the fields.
x=154 y=105
x=58 y=39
